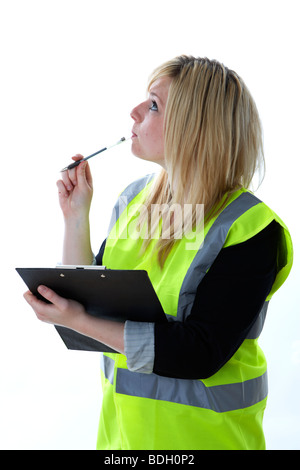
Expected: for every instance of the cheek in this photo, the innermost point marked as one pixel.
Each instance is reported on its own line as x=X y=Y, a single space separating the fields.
x=161 y=138
x=158 y=146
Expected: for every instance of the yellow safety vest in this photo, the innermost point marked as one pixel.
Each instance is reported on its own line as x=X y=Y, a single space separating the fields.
x=224 y=411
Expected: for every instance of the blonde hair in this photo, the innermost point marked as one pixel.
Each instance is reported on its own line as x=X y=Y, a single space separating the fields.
x=213 y=142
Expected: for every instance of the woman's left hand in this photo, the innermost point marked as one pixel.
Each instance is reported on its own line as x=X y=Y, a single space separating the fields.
x=61 y=311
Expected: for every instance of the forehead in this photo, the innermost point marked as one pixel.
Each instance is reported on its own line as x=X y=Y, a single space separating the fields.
x=160 y=88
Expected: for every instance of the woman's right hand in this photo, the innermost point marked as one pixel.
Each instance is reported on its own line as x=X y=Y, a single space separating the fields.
x=75 y=190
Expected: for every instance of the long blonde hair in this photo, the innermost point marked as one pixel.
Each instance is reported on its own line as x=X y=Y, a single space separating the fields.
x=213 y=143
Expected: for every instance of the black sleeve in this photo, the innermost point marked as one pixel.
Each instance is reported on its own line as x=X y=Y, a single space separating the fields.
x=100 y=254
x=227 y=303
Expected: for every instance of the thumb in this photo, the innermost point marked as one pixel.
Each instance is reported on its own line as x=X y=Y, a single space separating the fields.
x=54 y=298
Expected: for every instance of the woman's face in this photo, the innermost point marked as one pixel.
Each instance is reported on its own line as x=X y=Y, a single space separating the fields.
x=148 y=129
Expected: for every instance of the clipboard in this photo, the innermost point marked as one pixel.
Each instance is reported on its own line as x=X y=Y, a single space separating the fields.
x=117 y=295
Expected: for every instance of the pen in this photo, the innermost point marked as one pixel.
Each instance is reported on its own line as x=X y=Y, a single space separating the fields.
x=73 y=165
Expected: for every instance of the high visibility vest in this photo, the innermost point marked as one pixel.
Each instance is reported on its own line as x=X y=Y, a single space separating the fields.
x=224 y=411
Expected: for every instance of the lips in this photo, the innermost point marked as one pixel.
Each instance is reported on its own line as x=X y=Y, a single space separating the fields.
x=133 y=134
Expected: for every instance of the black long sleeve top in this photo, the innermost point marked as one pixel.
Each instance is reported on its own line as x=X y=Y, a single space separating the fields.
x=227 y=303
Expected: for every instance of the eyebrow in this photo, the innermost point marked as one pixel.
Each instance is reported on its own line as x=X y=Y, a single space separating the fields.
x=151 y=93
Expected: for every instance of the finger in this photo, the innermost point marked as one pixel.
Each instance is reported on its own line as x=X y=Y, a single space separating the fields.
x=29 y=297
x=55 y=299
x=67 y=182
x=62 y=190
x=34 y=302
x=77 y=157
x=84 y=175
x=73 y=174
x=42 y=309
x=88 y=175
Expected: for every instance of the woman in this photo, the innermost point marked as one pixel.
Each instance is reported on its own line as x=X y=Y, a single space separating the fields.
x=198 y=381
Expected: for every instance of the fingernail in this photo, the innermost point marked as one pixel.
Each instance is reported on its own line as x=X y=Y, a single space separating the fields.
x=42 y=289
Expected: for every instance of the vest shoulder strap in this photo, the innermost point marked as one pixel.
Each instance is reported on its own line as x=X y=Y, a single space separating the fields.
x=127 y=196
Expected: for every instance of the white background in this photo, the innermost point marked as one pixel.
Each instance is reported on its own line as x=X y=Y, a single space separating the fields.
x=71 y=71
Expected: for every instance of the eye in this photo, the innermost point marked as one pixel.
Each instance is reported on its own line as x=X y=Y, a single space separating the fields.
x=153 y=106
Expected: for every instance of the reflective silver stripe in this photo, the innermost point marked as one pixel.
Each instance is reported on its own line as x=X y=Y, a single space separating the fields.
x=218 y=398
x=259 y=323
x=127 y=196
x=206 y=255
x=107 y=366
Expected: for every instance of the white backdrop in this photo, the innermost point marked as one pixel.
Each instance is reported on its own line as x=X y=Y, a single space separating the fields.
x=71 y=71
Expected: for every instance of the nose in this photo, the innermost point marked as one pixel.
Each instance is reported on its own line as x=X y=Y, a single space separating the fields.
x=136 y=113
